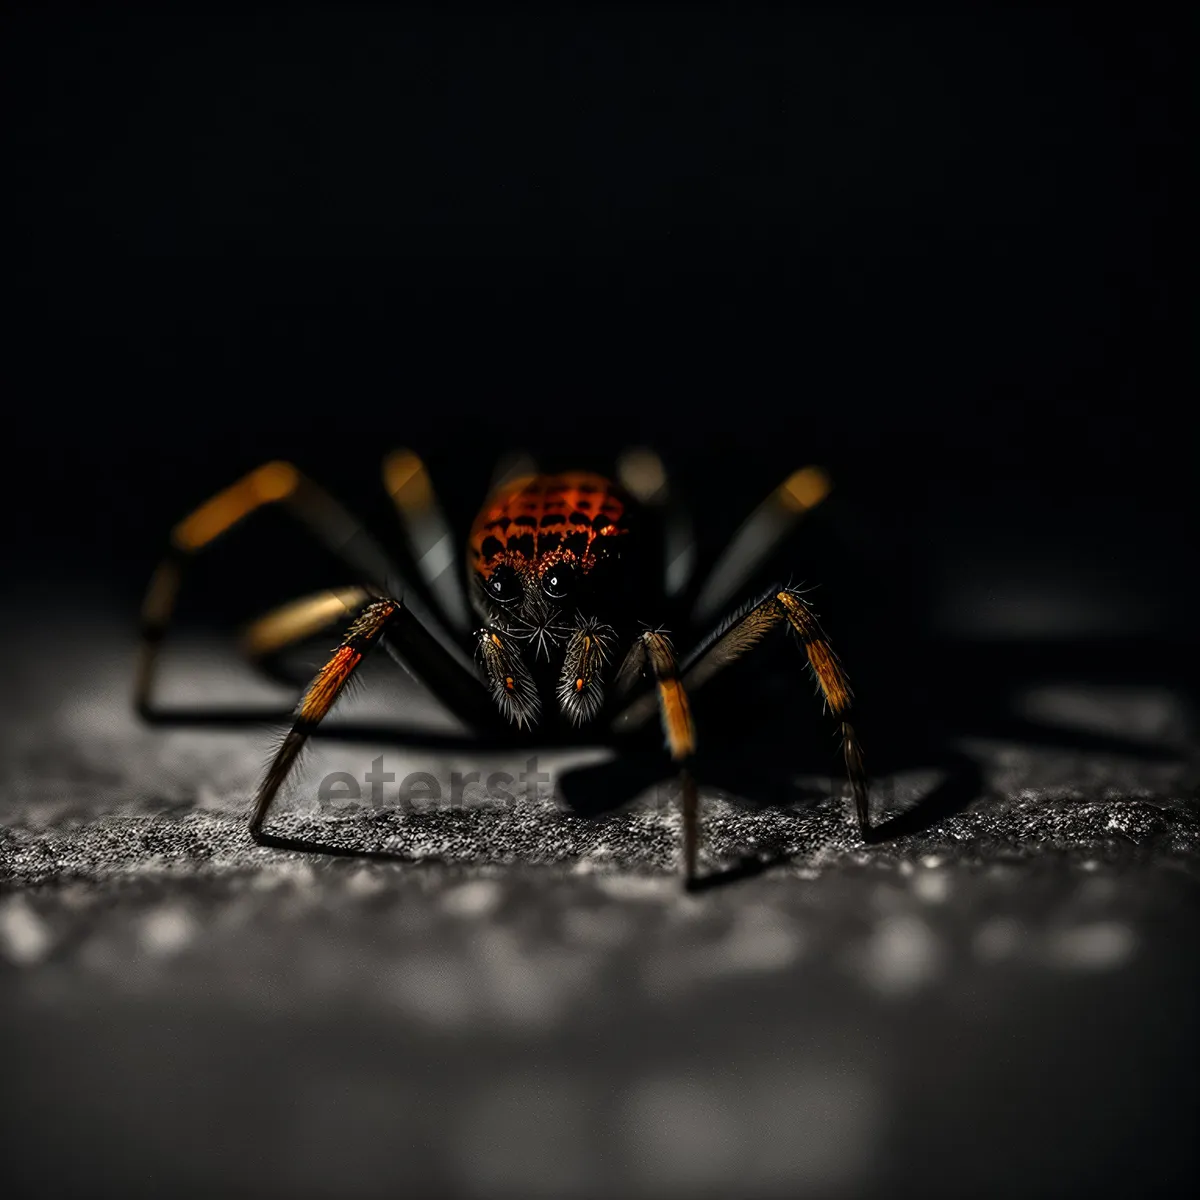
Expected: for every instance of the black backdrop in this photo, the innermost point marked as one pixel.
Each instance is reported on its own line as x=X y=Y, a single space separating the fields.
x=939 y=253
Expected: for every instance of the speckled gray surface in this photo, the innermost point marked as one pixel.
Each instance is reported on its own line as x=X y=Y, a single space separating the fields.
x=1000 y=1003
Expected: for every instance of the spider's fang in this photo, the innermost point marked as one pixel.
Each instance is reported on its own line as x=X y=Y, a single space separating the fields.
x=543 y=635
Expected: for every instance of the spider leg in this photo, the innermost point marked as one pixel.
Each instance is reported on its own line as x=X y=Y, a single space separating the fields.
x=273 y=483
x=653 y=648
x=643 y=475
x=514 y=465
x=762 y=531
x=391 y=622
x=299 y=619
x=429 y=536
x=451 y=678
x=747 y=628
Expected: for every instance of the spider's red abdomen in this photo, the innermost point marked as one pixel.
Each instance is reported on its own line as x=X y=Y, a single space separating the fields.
x=538 y=521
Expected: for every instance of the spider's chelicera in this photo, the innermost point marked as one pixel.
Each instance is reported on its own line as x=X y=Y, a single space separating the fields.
x=562 y=571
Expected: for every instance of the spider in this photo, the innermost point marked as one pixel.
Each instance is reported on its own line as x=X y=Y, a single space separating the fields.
x=562 y=571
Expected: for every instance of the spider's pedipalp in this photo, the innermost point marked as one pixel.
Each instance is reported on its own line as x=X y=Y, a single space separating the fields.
x=508 y=678
x=580 y=689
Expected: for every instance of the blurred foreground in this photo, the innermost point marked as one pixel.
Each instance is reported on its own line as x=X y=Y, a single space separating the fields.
x=1001 y=1003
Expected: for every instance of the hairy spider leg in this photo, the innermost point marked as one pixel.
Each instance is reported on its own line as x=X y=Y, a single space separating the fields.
x=652 y=647
x=273 y=483
x=747 y=627
x=432 y=544
x=515 y=464
x=644 y=476
x=383 y=619
x=761 y=533
x=299 y=619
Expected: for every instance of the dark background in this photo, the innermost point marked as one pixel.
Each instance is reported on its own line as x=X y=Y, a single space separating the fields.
x=938 y=253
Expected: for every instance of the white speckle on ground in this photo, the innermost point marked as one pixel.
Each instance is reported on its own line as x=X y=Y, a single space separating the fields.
x=166 y=931
x=932 y=886
x=474 y=899
x=601 y=852
x=280 y=872
x=902 y=955
x=365 y=883
x=24 y=936
x=760 y=941
x=601 y=927
x=639 y=887
x=1098 y=946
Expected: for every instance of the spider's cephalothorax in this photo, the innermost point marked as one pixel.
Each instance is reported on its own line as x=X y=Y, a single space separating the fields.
x=551 y=560
x=567 y=572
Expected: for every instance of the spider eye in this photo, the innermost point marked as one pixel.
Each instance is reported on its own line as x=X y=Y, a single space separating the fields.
x=504 y=587
x=558 y=581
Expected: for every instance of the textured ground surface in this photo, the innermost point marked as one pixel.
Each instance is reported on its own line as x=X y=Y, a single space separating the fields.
x=1003 y=1002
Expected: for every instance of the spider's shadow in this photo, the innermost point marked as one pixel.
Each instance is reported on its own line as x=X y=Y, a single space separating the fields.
x=758 y=770
x=755 y=739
